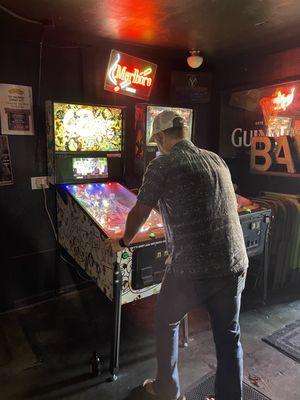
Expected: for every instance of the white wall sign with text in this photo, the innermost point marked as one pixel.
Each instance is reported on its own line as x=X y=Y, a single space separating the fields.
x=16 y=110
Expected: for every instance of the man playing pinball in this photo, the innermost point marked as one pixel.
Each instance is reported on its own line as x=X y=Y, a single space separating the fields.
x=207 y=260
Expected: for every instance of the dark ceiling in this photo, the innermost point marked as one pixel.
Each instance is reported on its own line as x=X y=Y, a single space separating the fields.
x=219 y=28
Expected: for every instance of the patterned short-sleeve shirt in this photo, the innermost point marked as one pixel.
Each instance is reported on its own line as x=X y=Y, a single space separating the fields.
x=196 y=198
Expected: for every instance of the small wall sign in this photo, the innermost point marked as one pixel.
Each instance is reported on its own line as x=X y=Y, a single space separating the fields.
x=16 y=109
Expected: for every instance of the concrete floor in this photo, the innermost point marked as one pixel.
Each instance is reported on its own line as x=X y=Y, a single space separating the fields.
x=45 y=349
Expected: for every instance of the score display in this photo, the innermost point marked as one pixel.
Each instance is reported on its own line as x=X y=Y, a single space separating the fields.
x=130 y=76
x=90 y=168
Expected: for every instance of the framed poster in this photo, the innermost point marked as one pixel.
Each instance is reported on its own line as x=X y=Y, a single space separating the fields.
x=16 y=110
x=6 y=176
x=272 y=111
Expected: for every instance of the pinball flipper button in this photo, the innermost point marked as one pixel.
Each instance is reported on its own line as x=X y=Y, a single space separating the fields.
x=125 y=255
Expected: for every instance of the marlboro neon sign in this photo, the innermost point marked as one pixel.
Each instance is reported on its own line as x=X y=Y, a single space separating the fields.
x=129 y=75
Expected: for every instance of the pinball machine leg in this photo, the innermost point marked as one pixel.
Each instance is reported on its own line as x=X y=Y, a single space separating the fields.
x=57 y=269
x=185 y=331
x=266 y=264
x=117 y=305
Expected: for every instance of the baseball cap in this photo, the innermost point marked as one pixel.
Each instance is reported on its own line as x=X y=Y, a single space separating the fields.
x=165 y=120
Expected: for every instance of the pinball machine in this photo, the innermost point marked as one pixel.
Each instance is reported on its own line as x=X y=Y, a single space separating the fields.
x=85 y=150
x=145 y=150
x=255 y=220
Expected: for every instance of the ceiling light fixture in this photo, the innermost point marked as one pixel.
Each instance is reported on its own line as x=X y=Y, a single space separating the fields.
x=194 y=60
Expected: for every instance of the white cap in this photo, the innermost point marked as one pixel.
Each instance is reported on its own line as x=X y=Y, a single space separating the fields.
x=165 y=120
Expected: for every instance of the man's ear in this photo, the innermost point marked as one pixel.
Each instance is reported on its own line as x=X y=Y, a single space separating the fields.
x=159 y=137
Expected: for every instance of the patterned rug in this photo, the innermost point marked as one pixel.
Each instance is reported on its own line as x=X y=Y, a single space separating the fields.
x=287 y=340
x=206 y=387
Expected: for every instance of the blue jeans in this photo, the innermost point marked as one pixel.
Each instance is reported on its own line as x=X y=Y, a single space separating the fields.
x=222 y=298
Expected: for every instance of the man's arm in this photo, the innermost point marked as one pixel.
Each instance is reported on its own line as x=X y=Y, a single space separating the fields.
x=136 y=218
x=148 y=196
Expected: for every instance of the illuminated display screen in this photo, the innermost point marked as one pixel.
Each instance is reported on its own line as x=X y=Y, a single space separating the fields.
x=152 y=111
x=109 y=204
x=90 y=168
x=87 y=128
x=130 y=76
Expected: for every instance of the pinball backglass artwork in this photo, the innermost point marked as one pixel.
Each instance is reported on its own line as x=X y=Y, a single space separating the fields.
x=153 y=111
x=87 y=128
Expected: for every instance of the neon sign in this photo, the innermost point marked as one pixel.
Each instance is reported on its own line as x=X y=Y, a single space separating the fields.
x=129 y=75
x=278 y=102
x=281 y=100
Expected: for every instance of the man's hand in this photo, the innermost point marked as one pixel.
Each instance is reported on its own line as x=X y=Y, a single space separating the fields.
x=113 y=245
x=135 y=219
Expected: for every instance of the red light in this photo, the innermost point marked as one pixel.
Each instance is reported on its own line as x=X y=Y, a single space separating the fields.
x=116 y=89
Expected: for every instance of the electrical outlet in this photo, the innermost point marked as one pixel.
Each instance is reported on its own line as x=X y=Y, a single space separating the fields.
x=39 y=182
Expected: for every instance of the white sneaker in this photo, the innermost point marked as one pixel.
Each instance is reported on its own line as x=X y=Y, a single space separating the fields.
x=149 y=389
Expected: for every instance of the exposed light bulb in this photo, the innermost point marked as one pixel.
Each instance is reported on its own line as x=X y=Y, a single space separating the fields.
x=194 y=60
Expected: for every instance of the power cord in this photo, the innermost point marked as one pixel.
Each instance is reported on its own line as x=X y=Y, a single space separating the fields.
x=76 y=269
x=48 y=213
x=56 y=238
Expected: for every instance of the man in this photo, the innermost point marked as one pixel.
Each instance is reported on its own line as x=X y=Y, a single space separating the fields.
x=207 y=260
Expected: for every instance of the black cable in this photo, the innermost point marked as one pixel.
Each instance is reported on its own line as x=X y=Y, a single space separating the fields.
x=18 y=16
x=48 y=214
x=76 y=269
x=40 y=65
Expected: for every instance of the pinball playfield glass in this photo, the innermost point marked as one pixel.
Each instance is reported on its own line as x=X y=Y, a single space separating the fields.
x=108 y=204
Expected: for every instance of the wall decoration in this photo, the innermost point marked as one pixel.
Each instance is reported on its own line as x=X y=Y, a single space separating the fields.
x=130 y=76
x=6 y=176
x=16 y=110
x=271 y=111
x=190 y=87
